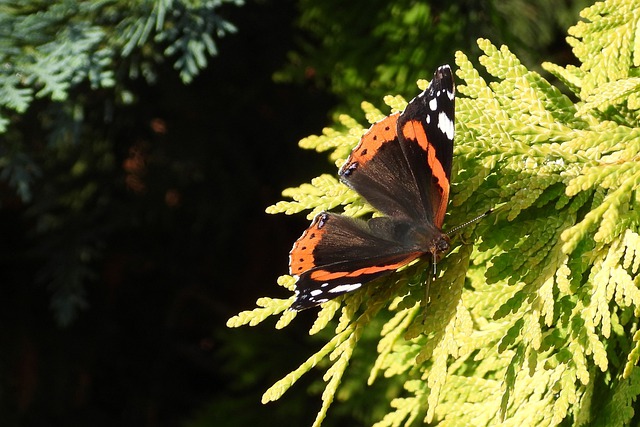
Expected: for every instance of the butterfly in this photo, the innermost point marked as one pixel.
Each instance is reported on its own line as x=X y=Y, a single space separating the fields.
x=401 y=167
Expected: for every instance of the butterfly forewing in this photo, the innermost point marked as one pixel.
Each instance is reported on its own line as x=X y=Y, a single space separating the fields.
x=426 y=131
x=378 y=170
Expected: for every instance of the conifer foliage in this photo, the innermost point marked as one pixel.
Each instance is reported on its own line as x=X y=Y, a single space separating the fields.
x=49 y=48
x=65 y=65
x=534 y=317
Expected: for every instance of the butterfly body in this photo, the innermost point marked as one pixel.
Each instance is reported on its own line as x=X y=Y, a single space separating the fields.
x=402 y=167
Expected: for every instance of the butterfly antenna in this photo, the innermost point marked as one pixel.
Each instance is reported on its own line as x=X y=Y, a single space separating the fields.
x=476 y=219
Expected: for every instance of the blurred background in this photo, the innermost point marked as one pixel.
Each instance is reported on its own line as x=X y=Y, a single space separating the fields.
x=132 y=220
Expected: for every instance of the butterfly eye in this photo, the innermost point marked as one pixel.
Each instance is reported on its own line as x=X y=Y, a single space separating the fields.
x=442 y=245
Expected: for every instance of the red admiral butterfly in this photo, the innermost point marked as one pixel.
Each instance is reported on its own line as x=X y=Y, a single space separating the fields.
x=402 y=167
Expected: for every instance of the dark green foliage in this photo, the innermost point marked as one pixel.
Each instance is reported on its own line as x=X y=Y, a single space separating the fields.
x=145 y=230
x=50 y=52
x=372 y=48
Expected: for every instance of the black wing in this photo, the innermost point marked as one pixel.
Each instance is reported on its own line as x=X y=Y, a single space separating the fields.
x=338 y=254
x=402 y=164
x=426 y=130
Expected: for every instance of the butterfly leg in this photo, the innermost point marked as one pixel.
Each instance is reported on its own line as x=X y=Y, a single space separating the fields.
x=427 y=288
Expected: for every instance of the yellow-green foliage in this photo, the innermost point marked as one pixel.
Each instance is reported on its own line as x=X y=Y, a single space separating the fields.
x=534 y=318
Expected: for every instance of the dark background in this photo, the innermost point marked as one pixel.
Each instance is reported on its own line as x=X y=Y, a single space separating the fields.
x=173 y=239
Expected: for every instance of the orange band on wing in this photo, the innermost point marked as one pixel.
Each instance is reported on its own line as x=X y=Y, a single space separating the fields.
x=413 y=130
x=301 y=257
x=323 y=275
x=380 y=133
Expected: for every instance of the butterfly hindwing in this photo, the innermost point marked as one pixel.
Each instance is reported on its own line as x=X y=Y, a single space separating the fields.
x=337 y=254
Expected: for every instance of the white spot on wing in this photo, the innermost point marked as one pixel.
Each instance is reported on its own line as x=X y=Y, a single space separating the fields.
x=315 y=292
x=345 y=288
x=451 y=95
x=433 y=104
x=445 y=124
